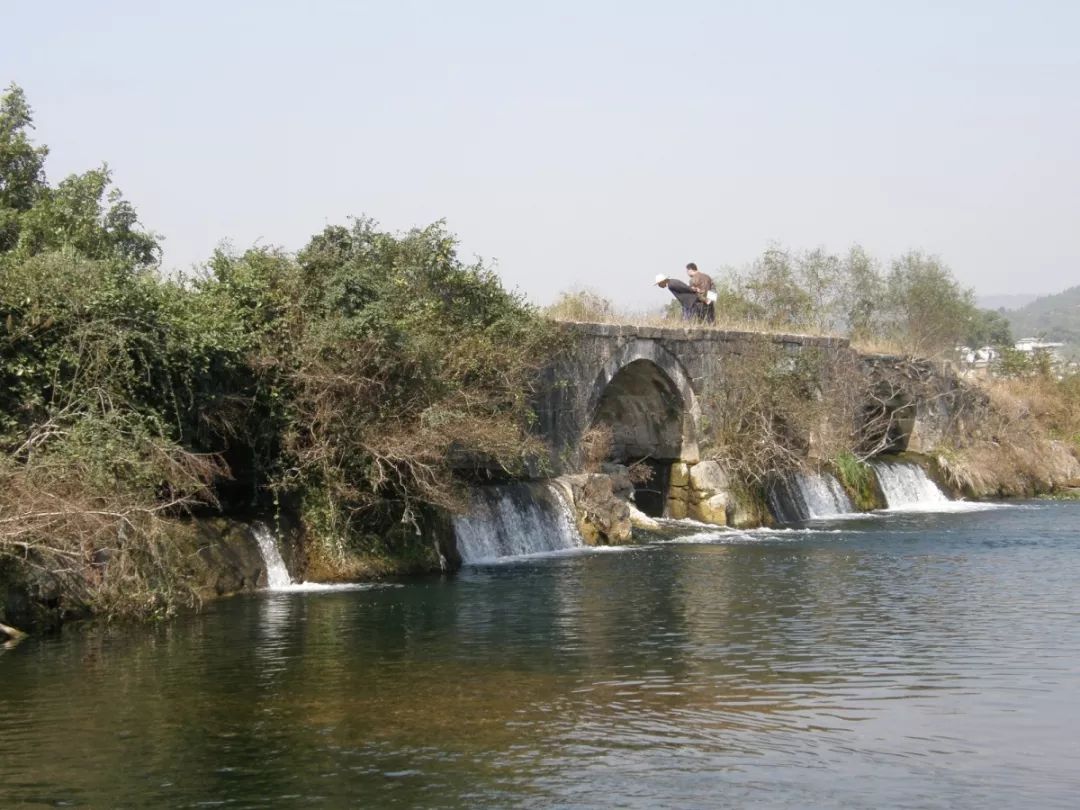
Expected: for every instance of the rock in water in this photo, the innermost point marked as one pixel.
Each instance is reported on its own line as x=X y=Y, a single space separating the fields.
x=639 y=520
x=8 y=633
x=711 y=510
x=602 y=515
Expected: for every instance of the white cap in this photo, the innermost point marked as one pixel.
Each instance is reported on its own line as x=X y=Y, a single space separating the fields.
x=660 y=278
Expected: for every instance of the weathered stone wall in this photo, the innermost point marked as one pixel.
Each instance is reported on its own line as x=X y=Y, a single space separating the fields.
x=691 y=359
x=648 y=384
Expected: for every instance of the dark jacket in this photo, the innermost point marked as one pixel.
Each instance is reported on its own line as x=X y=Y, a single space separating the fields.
x=685 y=294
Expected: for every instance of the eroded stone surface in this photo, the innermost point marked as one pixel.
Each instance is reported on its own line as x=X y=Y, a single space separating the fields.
x=603 y=516
x=708 y=476
x=711 y=510
x=658 y=374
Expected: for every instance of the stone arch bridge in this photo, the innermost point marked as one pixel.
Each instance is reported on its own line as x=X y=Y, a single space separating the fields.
x=646 y=384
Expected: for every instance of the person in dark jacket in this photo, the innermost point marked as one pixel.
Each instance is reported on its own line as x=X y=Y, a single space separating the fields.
x=684 y=294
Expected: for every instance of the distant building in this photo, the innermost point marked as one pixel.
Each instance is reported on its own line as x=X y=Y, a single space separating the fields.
x=1051 y=351
x=1031 y=345
x=976 y=362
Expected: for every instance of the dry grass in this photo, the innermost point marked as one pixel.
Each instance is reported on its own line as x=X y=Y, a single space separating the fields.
x=880 y=344
x=109 y=552
x=1021 y=437
x=660 y=320
x=596 y=447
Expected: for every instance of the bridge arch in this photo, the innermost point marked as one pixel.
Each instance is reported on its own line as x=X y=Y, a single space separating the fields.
x=644 y=394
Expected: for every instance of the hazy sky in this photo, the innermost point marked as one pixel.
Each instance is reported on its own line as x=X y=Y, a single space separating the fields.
x=579 y=144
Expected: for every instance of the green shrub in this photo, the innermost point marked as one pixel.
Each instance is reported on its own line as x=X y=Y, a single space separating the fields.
x=858 y=479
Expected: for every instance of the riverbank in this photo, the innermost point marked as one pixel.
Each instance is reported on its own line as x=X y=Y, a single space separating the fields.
x=215 y=557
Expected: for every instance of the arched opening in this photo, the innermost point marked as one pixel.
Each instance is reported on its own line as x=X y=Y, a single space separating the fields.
x=644 y=411
x=887 y=422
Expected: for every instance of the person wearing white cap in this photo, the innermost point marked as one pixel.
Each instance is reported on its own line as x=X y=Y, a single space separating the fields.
x=683 y=292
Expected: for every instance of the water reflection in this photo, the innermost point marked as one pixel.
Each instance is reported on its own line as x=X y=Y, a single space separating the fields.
x=906 y=661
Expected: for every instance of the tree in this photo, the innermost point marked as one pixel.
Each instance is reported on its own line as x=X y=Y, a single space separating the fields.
x=863 y=294
x=22 y=165
x=774 y=289
x=821 y=275
x=988 y=327
x=928 y=310
x=582 y=306
x=85 y=214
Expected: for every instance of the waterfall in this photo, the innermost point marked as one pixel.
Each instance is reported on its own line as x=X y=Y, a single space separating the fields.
x=806 y=496
x=515 y=519
x=906 y=486
x=277 y=575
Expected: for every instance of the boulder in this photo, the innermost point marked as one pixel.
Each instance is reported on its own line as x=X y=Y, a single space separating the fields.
x=708 y=476
x=746 y=512
x=621 y=485
x=712 y=510
x=11 y=634
x=639 y=520
x=603 y=517
x=222 y=556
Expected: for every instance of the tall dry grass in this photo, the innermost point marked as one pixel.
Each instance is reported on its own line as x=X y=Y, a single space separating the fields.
x=1019 y=437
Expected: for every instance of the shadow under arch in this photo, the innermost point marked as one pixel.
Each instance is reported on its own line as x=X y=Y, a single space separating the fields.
x=644 y=396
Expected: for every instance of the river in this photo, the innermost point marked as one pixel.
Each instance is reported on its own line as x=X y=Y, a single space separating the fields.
x=895 y=660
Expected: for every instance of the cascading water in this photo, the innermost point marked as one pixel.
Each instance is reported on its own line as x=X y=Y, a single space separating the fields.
x=277 y=575
x=806 y=496
x=515 y=519
x=906 y=486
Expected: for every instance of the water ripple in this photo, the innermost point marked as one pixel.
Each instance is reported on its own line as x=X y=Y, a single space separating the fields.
x=896 y=660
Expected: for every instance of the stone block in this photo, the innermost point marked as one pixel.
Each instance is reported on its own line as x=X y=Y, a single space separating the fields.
x=680 y=474
x=708 y=476
x=712 y=510
x=679 y=494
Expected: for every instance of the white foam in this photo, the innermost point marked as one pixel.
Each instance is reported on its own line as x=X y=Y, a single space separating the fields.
x=325 y=587
x=728 y=536
x=553 y=554
x=946 y=507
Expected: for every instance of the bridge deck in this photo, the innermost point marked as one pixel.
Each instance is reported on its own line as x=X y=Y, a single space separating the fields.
x=698 y=333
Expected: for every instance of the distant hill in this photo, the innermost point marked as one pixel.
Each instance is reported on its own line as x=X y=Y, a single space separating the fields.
x=1052 y=317
x=1014 y=301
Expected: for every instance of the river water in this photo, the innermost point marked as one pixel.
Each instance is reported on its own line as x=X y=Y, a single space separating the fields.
x=898 y=660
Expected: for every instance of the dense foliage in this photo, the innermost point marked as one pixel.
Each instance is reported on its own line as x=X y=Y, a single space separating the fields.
x=916 y=305
x=350 y=380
